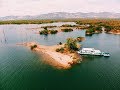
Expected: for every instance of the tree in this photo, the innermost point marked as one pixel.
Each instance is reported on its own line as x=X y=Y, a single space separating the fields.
x=44 y=32
x=67 y=30
x=45 y=28
x=108 y=28
x=71 y=44
x=33 y=47
x=98 y=28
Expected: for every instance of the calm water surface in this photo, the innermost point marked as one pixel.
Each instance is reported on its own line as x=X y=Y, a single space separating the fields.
x=21 y=69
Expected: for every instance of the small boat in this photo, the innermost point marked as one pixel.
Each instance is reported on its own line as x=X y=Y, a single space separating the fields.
x=106 y=54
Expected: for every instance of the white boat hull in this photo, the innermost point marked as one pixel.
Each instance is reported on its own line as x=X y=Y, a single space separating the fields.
x=93 y=52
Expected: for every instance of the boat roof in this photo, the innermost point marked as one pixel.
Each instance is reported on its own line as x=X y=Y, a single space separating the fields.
x=89 y=49
x=97 y=51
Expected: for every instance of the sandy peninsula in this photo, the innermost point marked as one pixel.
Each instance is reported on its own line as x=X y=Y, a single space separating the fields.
x=116 y=32
x=59 y=60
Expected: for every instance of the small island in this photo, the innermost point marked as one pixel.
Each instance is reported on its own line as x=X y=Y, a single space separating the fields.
x=61 y=55
x=46 y=30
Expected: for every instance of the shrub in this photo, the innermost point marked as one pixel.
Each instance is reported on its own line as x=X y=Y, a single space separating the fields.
x=90 y=31
x=45 y=27
x=34 y=46
x=60 y=43
x=67 y=30
x=98 y=28
x=53 y=31
x=108 y=28
x=60 y=50
x=67 y=25
x=44 y=32
x=57 y=50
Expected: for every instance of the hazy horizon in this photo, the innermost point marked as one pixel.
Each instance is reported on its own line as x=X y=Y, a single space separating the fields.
x=37 y=7
x=57 y=12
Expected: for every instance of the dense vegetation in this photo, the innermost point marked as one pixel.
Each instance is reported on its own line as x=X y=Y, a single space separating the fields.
x=26 y=21
x=94 y=29
x=48 y=26
x=53 y=31
x=109 y=24
x=67 y=30
x=109 y=28
x=46 y=32
x=61 y=50
x=68 y=25
x=71 y=44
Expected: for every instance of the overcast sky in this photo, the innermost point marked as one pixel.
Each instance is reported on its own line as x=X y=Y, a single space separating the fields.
x=36 y=7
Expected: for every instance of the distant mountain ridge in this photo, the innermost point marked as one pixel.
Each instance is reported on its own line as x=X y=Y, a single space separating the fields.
x=64 y=15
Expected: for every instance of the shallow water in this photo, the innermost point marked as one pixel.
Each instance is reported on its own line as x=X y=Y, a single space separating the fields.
x=21 y=69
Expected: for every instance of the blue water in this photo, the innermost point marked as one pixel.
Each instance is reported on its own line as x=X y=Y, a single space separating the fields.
x=22 y=69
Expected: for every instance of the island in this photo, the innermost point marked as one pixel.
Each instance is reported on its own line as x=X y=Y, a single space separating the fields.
x=62 y=56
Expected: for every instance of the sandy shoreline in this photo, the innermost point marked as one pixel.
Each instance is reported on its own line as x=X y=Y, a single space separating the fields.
x=54 y=58
x=116 y=32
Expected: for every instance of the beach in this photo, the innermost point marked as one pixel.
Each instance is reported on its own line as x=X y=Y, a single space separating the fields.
x=60 y=60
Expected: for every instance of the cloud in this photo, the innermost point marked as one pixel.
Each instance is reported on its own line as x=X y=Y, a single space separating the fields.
x=35 y=7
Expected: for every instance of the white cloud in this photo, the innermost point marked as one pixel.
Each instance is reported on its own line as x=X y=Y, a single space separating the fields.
x=34 y=7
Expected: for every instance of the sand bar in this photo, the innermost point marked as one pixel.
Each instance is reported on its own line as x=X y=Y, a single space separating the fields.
x=62 y=60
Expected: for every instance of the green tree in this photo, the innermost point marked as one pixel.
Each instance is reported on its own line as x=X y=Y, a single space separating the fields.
x=108 y=28
x=33 y=47
x=72 y=44
x=44 y=32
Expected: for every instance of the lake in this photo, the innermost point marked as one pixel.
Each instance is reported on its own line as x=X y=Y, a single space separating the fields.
x=22 y=69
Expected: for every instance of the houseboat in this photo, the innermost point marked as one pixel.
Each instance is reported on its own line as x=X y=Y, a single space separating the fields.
x=92 y=51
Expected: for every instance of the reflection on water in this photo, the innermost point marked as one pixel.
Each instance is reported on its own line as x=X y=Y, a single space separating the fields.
x=21 y=69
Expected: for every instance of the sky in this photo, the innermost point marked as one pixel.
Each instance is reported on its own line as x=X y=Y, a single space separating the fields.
x=37 y=7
